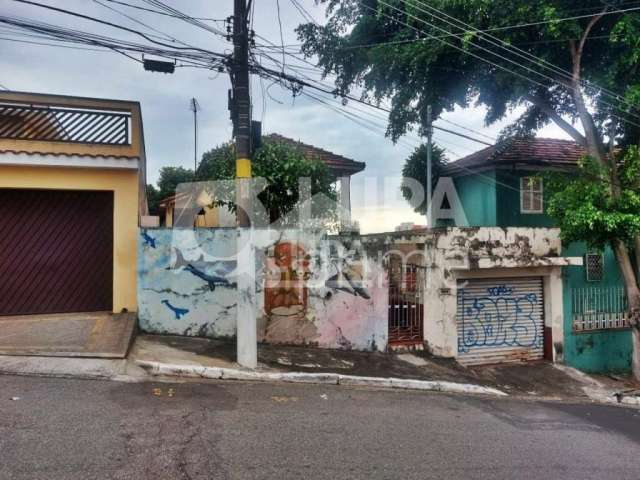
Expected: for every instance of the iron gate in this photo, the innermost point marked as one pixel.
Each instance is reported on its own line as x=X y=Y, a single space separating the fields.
x=406 y=304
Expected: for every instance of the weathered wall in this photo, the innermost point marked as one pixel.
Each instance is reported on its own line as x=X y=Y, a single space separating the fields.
x=603 y=351
x=456 y=254
x=311 y=290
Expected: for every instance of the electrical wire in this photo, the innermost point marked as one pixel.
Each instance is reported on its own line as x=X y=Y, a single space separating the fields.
x=120 y=27
x=163 y=13
x=281 y=36
x=493 y=40
x=477 y=56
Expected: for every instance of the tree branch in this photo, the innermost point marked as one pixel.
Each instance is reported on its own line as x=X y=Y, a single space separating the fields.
x=557 y=119
x=594 y=145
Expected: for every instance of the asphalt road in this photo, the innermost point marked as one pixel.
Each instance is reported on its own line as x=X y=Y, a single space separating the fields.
x=81 y=429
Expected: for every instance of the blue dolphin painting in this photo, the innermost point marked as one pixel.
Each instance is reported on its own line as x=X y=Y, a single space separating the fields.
x=214 y=273
x=148 y=240
x=212 y=280
x=178 y=312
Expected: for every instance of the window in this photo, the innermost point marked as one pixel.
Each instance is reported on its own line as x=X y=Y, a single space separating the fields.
x=594 y=266
x=531 y=195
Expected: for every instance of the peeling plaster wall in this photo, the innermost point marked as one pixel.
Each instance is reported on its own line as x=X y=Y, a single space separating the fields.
x=455 y=254
x=310 y=289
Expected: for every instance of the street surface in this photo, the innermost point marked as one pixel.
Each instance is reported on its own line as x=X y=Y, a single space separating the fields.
x=81 y=429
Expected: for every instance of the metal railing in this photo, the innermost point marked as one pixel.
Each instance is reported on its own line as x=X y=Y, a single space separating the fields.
x=406 y=304
x=599 y=308
x=58 y=124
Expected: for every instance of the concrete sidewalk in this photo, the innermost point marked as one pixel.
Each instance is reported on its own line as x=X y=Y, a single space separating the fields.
x=541 y=380
x=153 y=356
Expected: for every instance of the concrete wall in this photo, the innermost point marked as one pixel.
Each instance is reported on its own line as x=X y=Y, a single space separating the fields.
x=457 y=254
x=311 y=290
x=124 y=184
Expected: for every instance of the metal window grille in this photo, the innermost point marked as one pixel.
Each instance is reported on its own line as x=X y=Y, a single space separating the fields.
x=594 y=267
x=58 y=124
x=599 y=308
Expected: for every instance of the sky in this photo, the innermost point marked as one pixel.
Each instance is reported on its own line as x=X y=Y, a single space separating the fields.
x=168 y=121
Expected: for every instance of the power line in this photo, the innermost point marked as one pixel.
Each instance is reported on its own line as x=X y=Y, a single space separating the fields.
x=192 y=55
x=120 y=27
x=302 y=83
x=183 y=16
x=281 y=36
x=474 y=55
x=494 y=29
x=137 y=7
x=365 y=103
x=510 y=48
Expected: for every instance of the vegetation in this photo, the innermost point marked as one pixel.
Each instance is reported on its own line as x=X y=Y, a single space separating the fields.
x=170 y=178
x=415 y=168
x=581 y=74
x=281 y=165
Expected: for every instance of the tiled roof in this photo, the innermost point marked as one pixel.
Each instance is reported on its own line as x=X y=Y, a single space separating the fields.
x=338 y=165
x=530 y=151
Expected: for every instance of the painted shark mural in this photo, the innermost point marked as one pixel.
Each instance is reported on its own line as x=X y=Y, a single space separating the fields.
x=311 y=290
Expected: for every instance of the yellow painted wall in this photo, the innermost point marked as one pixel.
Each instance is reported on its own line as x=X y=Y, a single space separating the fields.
x=124 y=184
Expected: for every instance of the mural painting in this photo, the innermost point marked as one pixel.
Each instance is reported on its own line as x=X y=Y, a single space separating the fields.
x=311 y=290
x=286 y=296
x=186 y=282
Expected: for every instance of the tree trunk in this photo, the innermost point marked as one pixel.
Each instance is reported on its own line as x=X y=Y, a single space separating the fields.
x=635 y=362
x=633 y=298
x=637 y=255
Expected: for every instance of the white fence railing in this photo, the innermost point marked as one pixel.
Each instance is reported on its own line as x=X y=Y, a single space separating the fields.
x=599 y=308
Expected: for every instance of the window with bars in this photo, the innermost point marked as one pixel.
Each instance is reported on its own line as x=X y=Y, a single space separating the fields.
x=594 y=267
x=531 y=195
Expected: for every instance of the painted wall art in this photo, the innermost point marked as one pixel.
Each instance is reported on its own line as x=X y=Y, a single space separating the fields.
x=310 y=289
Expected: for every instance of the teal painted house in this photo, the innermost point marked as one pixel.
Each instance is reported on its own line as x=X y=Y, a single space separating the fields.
x=499 y=187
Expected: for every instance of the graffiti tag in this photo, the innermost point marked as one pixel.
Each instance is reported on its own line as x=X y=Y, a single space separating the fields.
x=503 y=318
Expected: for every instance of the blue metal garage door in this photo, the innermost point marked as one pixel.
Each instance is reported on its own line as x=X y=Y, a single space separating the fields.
x=500 y=320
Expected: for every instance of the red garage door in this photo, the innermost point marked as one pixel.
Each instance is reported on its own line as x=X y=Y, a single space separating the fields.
x=56 y=251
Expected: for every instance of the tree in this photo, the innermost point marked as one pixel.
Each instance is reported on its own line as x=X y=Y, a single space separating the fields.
x=415 y=168
x=581 y=74
x=281 y=165
x=170 y=178
x=153 y=199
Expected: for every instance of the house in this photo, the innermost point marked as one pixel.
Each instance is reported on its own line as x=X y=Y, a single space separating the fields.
x=72 y=176
x=192 y=207
x=499 y=187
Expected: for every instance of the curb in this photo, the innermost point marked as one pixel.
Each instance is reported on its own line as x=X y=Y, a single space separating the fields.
x=197 y=371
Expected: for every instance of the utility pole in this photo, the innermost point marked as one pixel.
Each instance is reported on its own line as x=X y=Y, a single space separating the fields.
x=194 y=106
x=241 y=110
x=246 y=334
x=429 y=166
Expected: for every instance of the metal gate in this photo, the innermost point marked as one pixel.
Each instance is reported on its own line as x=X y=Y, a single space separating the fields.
x=500 y=320
x=56 y=251
x=406 y=305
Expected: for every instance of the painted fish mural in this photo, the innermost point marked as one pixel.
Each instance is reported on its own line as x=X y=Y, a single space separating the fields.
x=214 y=273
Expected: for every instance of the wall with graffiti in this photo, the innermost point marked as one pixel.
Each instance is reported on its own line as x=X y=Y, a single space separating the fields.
x=186 y=282
x=464 y=320
x=310 y=289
